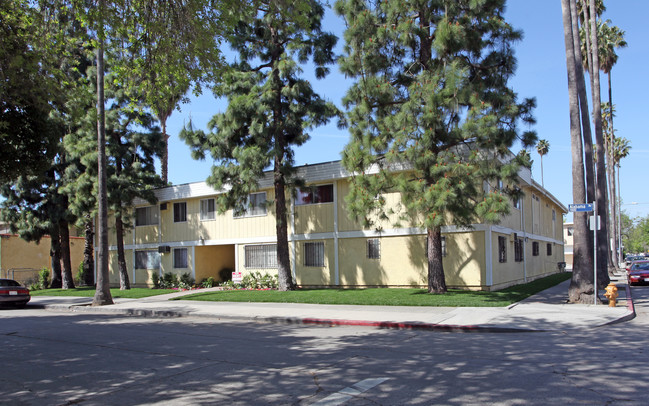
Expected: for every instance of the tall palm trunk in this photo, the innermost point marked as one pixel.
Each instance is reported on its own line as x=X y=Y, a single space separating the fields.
x=602 y=248
x=164 y=161
x=614 y=230
x=581 y=284
x=102 y=293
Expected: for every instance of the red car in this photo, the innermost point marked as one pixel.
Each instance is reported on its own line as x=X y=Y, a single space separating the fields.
x=638 y=273
x=13 y=293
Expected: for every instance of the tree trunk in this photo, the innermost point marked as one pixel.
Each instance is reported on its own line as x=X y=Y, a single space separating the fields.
x=124 y=283
x=88 y=255
x=436 y=278
x=55 y=254
x=66 y=264
x=102 y=293
x=164 y=161
x=611 y=178
x=581 y=284
x=602 y=192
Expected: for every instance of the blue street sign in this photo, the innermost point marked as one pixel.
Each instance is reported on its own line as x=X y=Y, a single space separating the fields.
x=580 y=207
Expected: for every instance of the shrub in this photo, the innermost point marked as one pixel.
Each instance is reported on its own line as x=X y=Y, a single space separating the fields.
x=79 y=279
x=186 y=281
x=169 y=281
x=254 y=280
x=225 y=274
x=44 y=278
x=155 y=278
x=208 y=283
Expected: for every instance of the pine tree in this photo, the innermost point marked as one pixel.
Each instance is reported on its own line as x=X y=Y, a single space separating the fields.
x=270 y=108
x=431 y=110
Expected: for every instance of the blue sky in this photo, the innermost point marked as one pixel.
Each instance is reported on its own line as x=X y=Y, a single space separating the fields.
x=541 y=73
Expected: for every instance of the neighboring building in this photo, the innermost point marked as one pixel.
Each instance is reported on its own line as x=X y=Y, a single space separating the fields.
x=568 y=231
x=184 y=233
x=21 y=260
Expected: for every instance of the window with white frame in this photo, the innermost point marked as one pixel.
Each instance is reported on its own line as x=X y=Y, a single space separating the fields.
x=147 y=260
x=260 y=256
x=180 y=212
x=208 y=209
x=314 y=195
x=374 y=248
x=314 y=254
x=180 y=258
x=146 y=216
x=255 y=206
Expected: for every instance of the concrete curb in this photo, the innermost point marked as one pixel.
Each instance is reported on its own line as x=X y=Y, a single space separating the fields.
x=86 y=308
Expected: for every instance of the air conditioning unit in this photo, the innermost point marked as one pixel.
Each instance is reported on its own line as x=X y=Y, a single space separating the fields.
x=163 y=249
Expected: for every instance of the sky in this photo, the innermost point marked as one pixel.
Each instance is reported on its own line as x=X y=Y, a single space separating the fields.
x=541 y=73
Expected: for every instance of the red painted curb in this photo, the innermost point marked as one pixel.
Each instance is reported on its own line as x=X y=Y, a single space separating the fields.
x=412 y=326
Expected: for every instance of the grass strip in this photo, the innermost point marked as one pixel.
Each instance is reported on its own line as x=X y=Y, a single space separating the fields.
x=89 y=291
x=386 y=296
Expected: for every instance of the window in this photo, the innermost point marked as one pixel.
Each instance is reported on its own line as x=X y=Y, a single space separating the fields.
x=535 y=248
x=549 y=249
x=180 y=258
x=315 y=194
x=314 y=254
x=502 y=249
x=147 y=260
x=570 y=231
x=517 y=203
x=260 y=256
x=518 y=250
x=146 y=216
x=374 y=248
x=255 y=206
x=180 y=212
x=208 y=211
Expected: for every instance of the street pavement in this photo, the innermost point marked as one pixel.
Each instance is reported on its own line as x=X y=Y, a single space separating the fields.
x=545 y=311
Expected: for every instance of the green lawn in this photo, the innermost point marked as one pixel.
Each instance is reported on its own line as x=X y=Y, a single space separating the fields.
x=135 y=293
x=386 y=296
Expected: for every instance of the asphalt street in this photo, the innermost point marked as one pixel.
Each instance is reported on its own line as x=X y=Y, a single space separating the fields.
x=65 y=358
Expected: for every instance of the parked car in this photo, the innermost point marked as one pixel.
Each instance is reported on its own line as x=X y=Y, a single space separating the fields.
x=638 y=272
x=13 y=293
x=630 y=258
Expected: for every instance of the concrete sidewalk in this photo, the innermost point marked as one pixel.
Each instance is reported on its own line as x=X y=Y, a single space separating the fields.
x=546 y=311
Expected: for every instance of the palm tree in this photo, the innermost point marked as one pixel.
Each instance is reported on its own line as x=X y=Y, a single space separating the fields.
x=162 y=110
x=609 y=38
x=581 y=285
x=542 y=147
x=621 y=147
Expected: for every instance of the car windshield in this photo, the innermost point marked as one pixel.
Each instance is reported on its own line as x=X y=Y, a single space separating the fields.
x=642 y=266
x=8 y=282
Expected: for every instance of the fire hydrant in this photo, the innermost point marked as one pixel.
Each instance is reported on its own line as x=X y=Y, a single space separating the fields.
x=611 y=294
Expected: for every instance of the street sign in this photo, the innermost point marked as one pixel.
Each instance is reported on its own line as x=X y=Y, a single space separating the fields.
x=580 y=207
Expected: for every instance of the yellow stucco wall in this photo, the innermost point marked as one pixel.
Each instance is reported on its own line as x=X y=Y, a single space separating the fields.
x=18 y=253
x=316 y=276
x=211 y=259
